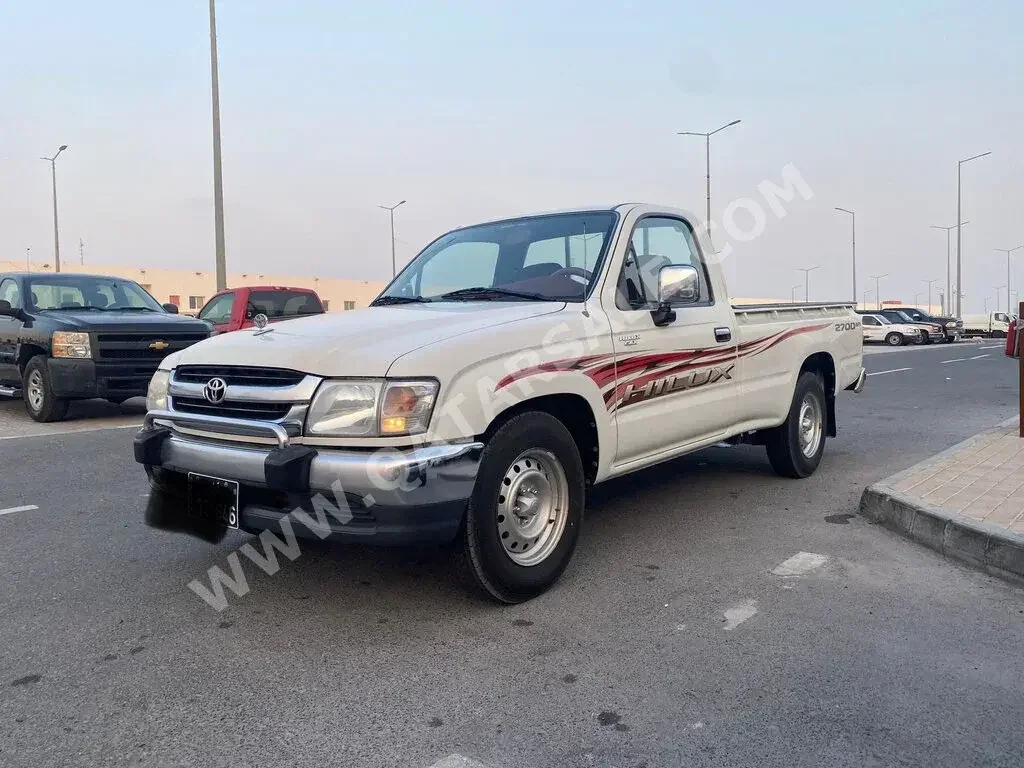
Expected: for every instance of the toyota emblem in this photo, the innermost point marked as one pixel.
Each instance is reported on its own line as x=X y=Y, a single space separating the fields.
x=215 y=390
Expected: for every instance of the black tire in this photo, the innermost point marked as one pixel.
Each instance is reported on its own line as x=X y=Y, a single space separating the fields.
x=48 y=407
x=481 y=558
x=949 y=339
x=783 y=442
x=895 y=339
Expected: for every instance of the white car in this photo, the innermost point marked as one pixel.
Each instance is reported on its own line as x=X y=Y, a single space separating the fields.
x=509 y=367
x=879 y=328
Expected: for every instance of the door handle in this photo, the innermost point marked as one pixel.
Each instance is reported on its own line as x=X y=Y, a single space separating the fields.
x=723 y=334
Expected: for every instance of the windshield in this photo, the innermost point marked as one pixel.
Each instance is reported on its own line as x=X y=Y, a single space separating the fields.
x=545 y=258
x=904 y=317
x=85 y=292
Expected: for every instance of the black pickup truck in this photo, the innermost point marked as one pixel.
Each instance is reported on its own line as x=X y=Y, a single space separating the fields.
x=70 y=337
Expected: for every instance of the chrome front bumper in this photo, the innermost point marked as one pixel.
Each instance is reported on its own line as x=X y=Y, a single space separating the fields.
x=426 y=475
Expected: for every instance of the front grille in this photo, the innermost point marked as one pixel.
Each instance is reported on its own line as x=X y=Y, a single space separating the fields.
x=239 y=376
x=232 y=409
x=137 y=346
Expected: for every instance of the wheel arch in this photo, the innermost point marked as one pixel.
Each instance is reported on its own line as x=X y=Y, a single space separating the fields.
x=26 y=353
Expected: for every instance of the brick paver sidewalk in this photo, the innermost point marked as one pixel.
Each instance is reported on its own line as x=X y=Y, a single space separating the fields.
x=967 y=502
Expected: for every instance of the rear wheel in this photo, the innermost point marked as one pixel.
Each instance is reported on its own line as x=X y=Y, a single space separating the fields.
x=796 y=446
x=40 y=401
x=524 y=517
x=895 y=339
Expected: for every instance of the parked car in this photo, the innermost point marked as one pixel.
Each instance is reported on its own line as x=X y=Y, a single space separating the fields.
x=67 y=337
x=508 y=367
x=880 y=328
x=235 y=308
x=934 y=330
x=994 y=325
x=954 y=327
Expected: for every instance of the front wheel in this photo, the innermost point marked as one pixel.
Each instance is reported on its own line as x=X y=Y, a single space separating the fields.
x=40 y=401
x=524 y=517
x=796 y=446
x=894 y=339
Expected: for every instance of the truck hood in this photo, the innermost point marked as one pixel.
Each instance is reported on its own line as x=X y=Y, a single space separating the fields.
x=156 y=322
x=363 y=342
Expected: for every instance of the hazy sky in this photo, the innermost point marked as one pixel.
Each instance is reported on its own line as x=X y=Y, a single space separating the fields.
x=477 y=110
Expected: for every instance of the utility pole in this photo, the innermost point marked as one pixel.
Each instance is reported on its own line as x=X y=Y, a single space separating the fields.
x=391 y=210
x=807 y=283
x=853 y=243
x=929 y=282
x=707 y=164
x=28 y=259
x=81 y=252
x=1008 y=251
x=56 y=230
x=959 y=264
x=878 y=294
x=218 y=178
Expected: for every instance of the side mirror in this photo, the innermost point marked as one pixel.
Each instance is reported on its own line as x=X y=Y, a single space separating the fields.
x=171 y=308
x=678 y=285
x=6 y=310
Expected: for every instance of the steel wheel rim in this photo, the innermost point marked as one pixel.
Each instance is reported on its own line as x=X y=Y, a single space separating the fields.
x=810 y=426
x=34 y=392
x=533 y=507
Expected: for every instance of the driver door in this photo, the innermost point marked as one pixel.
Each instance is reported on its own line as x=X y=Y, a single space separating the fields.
x=10 y=330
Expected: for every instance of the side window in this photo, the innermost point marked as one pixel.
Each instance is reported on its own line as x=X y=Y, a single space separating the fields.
x=1001 y=318
x=869 y=321
x=10 y=293
x=459 y=265
x=218 y=311
x=657 y=242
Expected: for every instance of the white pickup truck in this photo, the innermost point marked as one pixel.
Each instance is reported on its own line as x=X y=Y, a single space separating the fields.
x=508 y=367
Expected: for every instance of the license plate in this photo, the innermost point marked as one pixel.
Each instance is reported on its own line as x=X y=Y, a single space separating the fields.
x=213 y=499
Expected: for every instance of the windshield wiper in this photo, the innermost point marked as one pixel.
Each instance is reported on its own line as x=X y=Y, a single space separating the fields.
x=383 y=301
x=481 y=293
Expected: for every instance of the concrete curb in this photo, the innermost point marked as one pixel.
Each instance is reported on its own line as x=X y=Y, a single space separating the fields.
x=988 y=547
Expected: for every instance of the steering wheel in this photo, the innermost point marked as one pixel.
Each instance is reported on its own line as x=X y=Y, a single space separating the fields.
x=573 y=272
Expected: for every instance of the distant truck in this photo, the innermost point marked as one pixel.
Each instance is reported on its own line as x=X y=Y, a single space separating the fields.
x=67 y=337
x=995 y=325
x=235 y=308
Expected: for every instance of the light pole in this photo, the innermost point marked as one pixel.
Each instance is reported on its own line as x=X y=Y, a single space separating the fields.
x=878 y=295
x=792 y=293
x=929 y=282
x=391 y=210
x=997 y=288
x=866 y=294
x=853 y=243
x=807 y=274
x=56 y=233
x=959 y=278
x=949 y=289
x=917 y=300
x=218 y=178
x=707 y=164
x=1008 y=251
x=28 y=259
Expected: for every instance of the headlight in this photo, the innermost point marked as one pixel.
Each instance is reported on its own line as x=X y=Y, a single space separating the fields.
x=68 y=344
x=345 y=409
x=156 y=395
x=371 y=408
x=951 y=324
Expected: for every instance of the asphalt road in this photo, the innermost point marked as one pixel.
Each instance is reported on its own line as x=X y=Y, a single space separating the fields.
x=668 y=643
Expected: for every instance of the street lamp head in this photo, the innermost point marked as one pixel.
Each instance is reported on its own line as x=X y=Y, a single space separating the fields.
x=62 y=147
x=975 y=157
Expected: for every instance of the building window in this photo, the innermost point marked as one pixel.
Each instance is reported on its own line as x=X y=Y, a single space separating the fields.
x=196 y=302
x=350 y=305
x=327 y=304
x=174 y=299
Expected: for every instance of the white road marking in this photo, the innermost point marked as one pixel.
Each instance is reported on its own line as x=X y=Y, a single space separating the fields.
x=12 y=510
x=997 y=346
x=739 y=613
x=894 y=370
x=799 y=564
x=956 y=360
x=134 y=425
x=457 y=761
x=977 y=357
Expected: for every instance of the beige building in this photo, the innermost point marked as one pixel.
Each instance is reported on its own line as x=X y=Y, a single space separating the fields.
x=190 y=289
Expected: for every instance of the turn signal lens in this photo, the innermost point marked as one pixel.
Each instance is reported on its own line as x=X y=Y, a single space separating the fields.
x=406 y=407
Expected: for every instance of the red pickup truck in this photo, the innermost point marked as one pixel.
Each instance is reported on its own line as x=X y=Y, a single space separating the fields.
x=235 y=308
